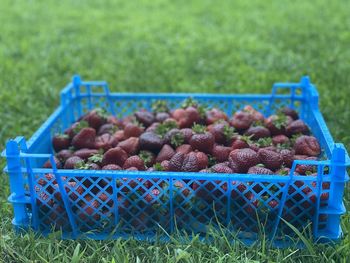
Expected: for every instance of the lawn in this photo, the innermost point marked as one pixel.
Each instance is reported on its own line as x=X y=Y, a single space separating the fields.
x=193 y=46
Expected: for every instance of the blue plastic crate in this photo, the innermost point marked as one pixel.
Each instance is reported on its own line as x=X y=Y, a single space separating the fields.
x=205 y=199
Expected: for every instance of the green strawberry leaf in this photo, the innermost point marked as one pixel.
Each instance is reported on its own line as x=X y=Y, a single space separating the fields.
x=81 y=125
x=160 y=106
x=264 y=142
x=164 y=127
x=177 y=139
x=158 y=167
x=197 y=128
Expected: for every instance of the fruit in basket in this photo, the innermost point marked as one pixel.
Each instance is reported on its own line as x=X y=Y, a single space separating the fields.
x=307 y=145
x=133 y=129
x=244 y=158
x=270 y=159
x=134 y=161
x=73 y=162
x=257 y=132
x=85 y=138
x=202 y=140
x=60 y=142
x=48 y=163
x=114 y=156
x=297 y=127
x=105 y=142
x=165 y=153
x=215 y=115
x=144 y=117
x=151 y=141
x=130 y=145
x=96 y=118
x=85 y=153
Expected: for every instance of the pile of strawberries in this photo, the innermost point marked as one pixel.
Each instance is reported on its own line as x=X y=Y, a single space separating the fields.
x=188 y=139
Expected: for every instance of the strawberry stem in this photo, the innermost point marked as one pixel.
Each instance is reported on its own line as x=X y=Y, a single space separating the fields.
x=197 y=128
x=160 y=106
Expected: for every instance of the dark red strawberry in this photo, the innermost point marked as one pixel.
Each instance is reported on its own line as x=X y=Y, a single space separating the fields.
x=105 y=142
x=63 y=155
x=73 y=191
x=145 y=117
x=153 y=127
x=84 y=139
x=257 y=132
x=190 y=163
x=153 y=196
x=307 y=145
x=60 y=142
x=114 y=120
x=181 y=187
x=96 y=118
x=241 y=120
x=48 y=164
x=175 y=163
x=148 y=158
x=93 y=166
x=290 y=112
x=259 y=170
x=107 y=128
x=174 y=137
x=244 y=159
x=104 y=197
x=277 y=123
x=186 y=117
x=287 y=157
x=221 y=153
x=252 y=203
x=202 y=160
x=150 y=141
x=132 y=130
x=111 y=167
x=305 y=169
x=165 y=153
x=114 y=156
x=119 y=135
x=185 y=148
x=273 y=204
x=240 y=142
x=234 y=165
x=221 y=168
x=270 y=159
x=297 y=127
x=280 y=139
x=207 y=170
x=130 y=145
x=89 y=214
x=131 y=169
x=202 y=141
x=215 y=115
x=162 y=116
x=187 y=132
x=257 y=116
x=76 y=128
x=134 y=161
x=85 y=153
x=165 y=165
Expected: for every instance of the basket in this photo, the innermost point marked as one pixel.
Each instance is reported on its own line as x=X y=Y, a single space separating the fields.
x=151 y=205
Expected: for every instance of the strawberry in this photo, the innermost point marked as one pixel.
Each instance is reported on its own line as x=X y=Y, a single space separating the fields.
x=114 y=120
x=252 y=203
x=93 y=166
x=270 y=159
x=107 y=128
x=84 y=139
x=307 y=145
x=132 y=169
x=162 y=116
x=186 y=117
x=185 y=148
x=106 y=198
x=63 y=155
x=175 y=163
x=111 y=167
x=48 y=164
x=105 y=142
x=290 y=112
x=240 y=142
x=259 y=170
x=180 y=186
x=151 y=141
x=174 y=137
x=297 y=127
x=221 y=153
x=190 y=163
x=96 y=118
x=277 y=123
x=165 y=153
x=89 y=212
x=221 y=168
x=257 y=116
x=119 y=135
x=202 y=141
x=187 y=132
x=134 y=161
x=273 y=204
x=130 y=145
x=133 y=130
x=280 y=139
x=60 y=142
x=153 y=196
x=85 y=153
x=148 y=158
x=241 y=120
x=305 y=169
x=48 y=178
x=165 y=166
x=76 y=128
x=114 y=156
x=72 y=189
x=144 y=117
x=243 y=158
x=153 y=128
x=257 y=132
x=287 y=157
x=202 y=160
x=214 y=115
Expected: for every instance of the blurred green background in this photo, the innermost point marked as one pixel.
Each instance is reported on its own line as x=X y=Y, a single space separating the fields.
x=169 y=46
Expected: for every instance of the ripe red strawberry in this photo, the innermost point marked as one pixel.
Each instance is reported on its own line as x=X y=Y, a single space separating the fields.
x=239 y=143
x=105 y=142
x=133 y=130
x=257 y=116
x=287 y=157
x=130 y=145
x=162 y=116
x=93 y=166
x=153 y=127
x=119 y=135
x=221 y=168
x=60 y=142
x=202 y=141
x=48 y=164
x=257 y=132
x=307 y=145
x=259 y=170
x=252 y=203
x=244 y=159
x=214 y=115
x=89 y=212
x=185 y=148
x=84 y=139
x=114 y=156
x=241 y=120
x=297 y=127
x=187 y=132
x=96 y=118
x=131 y=169
x=107 y=128
x=180 y=186
x=165 y=165
x=273 y=204
x=221 y=153
x=304 y=169
x=153 y=196
x=202 y=160
x=280 y=139
x=134 y=161
x=165 y=153
x=190 y=163
x=151 y=141
x=85 y=153
x=290 y=112
x=277 y=123
x=148 y=158
x=105 y=197
x=73 y=190
x=234 y=165
x=111 y=167
x=186 y=117
x=174 y=137
x=270 y=159
x=145 y=117
x=63 y=155
x=175 y=163
x=48 y=178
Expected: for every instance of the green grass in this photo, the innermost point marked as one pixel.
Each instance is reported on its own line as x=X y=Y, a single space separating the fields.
x=193 y=46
